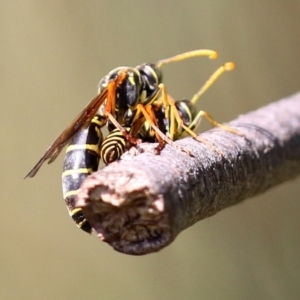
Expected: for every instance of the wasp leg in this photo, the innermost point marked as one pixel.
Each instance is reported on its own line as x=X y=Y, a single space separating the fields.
x=149 y=115
x=173 y=116
x=128 y=136
x=196 y=122
x=168 y=104
x=189 y=129
x=161 y=137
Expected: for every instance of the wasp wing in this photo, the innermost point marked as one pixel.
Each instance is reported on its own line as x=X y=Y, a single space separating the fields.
x=83 y=119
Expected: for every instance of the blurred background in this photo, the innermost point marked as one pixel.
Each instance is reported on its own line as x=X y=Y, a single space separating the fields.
x=52 y=55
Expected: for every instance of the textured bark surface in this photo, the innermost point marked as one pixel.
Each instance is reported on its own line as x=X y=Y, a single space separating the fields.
x=141 y=203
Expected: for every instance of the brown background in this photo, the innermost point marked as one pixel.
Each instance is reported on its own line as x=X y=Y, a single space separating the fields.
x=52 y=55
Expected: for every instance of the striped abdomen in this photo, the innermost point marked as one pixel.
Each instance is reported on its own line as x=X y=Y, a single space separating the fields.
x=81 y=159
x=114 y=145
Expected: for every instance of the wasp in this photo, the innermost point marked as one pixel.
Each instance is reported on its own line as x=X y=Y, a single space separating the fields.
x=180 y=118
x=81 y=159
x=88 y=146
x=114 y=145
x=123 y=90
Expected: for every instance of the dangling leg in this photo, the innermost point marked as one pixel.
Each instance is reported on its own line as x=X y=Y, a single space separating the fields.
x=129 y=137
x=213 y=122
x=175 y=115
x=196 y=122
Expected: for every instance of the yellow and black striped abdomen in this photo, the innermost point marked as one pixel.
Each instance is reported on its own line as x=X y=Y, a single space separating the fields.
x=114 y=145
x=81 y=159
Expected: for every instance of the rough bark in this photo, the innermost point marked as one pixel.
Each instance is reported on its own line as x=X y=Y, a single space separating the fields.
x=141 y=203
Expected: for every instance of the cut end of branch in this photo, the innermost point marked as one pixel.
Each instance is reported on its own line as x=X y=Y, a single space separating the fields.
x=133 y=220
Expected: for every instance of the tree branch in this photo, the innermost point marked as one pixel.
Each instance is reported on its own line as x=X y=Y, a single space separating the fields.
x=141 y=203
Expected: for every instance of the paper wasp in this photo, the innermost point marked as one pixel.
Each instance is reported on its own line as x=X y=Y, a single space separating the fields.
x=181 y=117
x=125 y=95
x=123 y=89
x=81 y=159
x=178 y=119
x=114 y=145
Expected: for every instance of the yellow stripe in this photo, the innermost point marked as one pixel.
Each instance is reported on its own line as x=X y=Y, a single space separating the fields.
x=131 y=80
x=115 y=135
x=187 y=111
x=111 y=145
x=92 y=147
x=153 y=73
x=99 y=134
x=71 y=193
x=77 y=171
x=80 y=224
x=74 y=211
x=98 y=122
x=113 y=141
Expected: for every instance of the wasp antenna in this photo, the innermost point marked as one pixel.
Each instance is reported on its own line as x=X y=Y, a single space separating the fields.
x=200 y=52
x=226 y=67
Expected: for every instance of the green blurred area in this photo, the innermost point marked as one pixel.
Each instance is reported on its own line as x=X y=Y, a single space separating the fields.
x=52 y=55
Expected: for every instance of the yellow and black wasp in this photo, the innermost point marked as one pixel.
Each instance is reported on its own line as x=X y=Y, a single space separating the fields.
x=125 y=96
x=181 y=117
x=83 y=153
x=81 y=159
x=123 y=90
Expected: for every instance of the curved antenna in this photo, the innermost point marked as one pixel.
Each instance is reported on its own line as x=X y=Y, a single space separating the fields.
x=200 y=52
x=226 y=67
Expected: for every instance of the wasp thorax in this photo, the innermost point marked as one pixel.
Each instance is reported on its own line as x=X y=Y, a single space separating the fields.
x=151 y=75
x=128 y=93
x=113 y=74
x=187 y=111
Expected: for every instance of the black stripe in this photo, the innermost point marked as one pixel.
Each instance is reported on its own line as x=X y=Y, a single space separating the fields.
x=79 y=217
x=77 y=159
